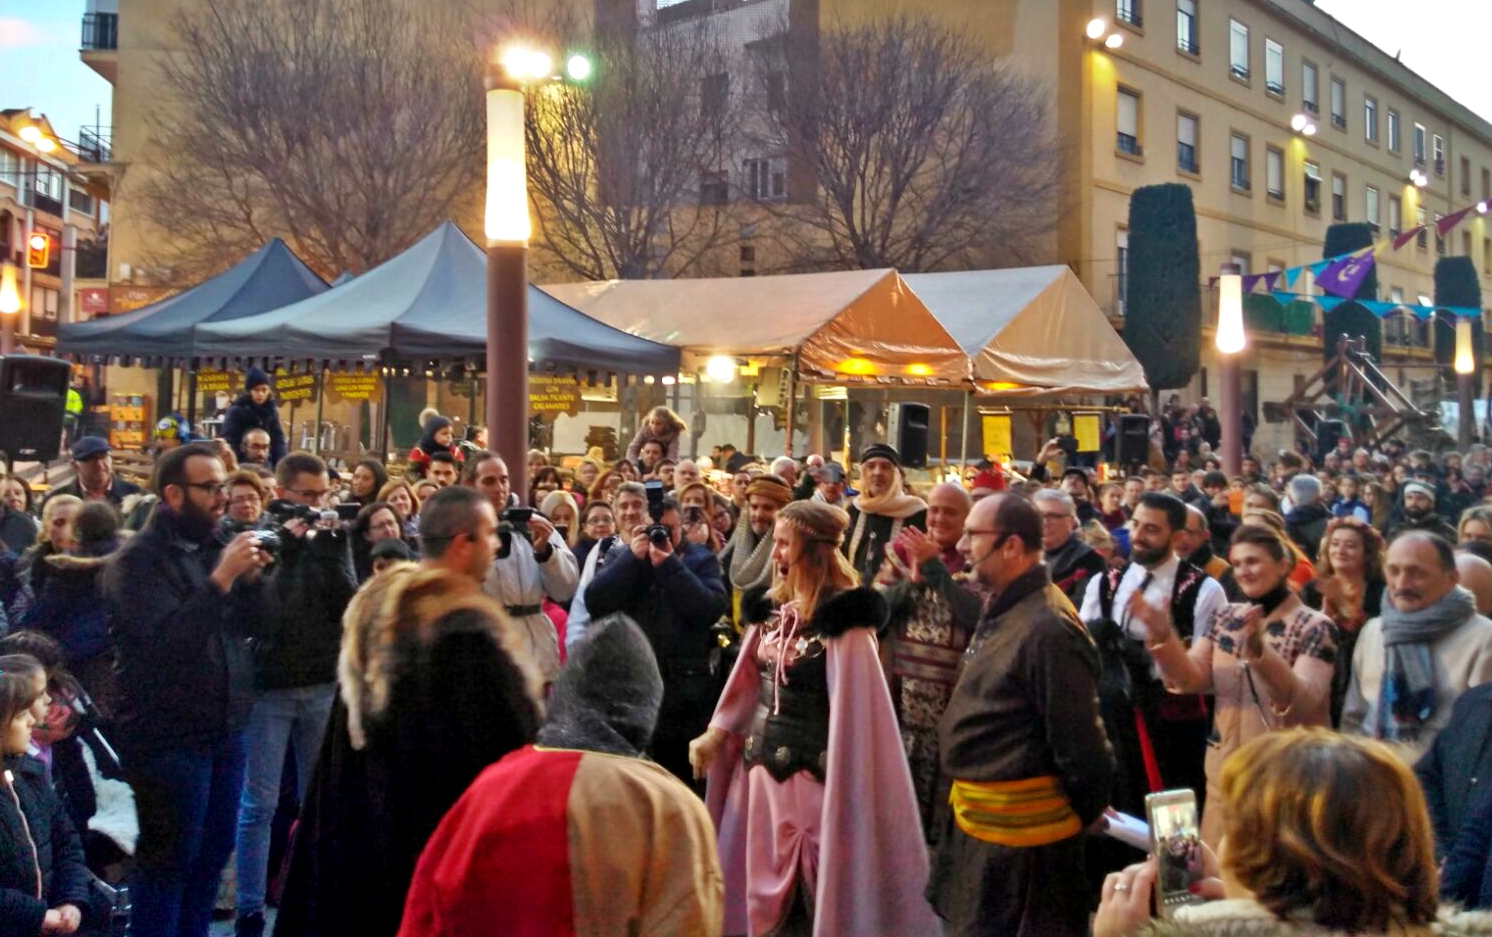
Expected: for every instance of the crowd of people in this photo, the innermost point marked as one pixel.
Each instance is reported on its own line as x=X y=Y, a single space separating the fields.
x=656 y=694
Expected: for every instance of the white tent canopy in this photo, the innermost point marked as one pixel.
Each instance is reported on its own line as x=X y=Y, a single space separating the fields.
x=1031 y=331
x=848 y=326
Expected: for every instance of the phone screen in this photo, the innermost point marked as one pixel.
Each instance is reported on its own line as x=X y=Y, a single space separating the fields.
x=1177 y=843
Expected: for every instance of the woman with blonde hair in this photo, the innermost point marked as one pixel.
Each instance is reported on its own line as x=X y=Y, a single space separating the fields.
x=53 y=538
x=808 y=780
x=1475 y=524
x=1326 y=834
x=400 y=495
x=1268 y=661
x=662 y=426
x=564 y=514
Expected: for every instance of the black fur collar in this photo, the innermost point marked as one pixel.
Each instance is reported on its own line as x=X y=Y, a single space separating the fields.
x=854 y=608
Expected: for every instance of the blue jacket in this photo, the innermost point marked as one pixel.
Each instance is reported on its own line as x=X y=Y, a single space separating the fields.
x=186 y=675
x=40 y=821
x=1458 y=766
x=675 y=603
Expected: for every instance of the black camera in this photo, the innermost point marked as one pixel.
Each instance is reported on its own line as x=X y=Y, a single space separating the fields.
x=266 y=540
x=658 y=532
x=512 y=521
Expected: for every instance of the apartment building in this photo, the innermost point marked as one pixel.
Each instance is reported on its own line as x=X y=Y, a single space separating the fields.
x=52 y=187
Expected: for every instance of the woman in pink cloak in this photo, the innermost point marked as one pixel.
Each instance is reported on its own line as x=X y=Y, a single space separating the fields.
x=808 y=783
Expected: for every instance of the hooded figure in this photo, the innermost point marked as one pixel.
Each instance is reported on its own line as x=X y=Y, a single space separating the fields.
x=579 y=834
x=437 y=436
x=255 y=409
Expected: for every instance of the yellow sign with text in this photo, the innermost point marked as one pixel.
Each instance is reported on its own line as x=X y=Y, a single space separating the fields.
x=354 y=388
x=1085 y=427
x=997 y=442
x=551 y=394
x=290 y=388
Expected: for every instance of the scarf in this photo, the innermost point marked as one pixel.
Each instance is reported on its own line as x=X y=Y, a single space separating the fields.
x=750 y=558
x=1406 y=700
x=895 y=503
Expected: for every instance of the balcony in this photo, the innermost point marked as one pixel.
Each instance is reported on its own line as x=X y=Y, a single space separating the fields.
x=1339 y=121
x=1188 y=45
x=1186 y=157
x=100 y=44
x=94 y=144
x=1130 y=144
x=1128 y=11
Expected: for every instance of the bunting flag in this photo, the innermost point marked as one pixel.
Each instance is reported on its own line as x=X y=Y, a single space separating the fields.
x=1328 y=303
x=1345 y=275
x=1291 y=276
x=1320 y=266
x=1407 y=236
x=1450 y=221
x=1378 y=308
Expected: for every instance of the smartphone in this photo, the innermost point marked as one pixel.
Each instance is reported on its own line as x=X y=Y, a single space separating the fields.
x=1176 y=842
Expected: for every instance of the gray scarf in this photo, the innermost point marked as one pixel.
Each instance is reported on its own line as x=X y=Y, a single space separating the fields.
x=1406 y=700
x=750 y=558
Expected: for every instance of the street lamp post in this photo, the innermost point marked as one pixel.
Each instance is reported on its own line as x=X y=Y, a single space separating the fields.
x=508 y=228
x=10 y=308
x=1230 y=342
x=1465 y=367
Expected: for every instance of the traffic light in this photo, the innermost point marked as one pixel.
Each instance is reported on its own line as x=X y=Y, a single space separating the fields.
x=38 y=250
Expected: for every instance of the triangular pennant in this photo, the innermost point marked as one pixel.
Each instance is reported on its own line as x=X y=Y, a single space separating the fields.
x=1329 y=302
x=1271 y=279
x=1421 y=312
x=1344 y=276
x=1291 y=276
x=1284 y=298
x=1445 y=224
x=1316 y=268
x=1407 y=236
x=1378 y=307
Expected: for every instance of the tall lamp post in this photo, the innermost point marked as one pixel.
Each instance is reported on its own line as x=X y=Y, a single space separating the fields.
x=1230 y=342
x=10 y=308
x=1465 y=366
x=508 y=229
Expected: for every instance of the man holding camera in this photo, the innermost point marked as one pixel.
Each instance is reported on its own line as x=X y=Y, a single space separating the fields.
x=296 y=662
x=630 y=505
x=674 y=591
x=184 y=605
x=533 y=561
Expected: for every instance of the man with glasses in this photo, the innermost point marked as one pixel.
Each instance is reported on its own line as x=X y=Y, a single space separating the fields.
x=1070 y=562
x=295 y=672
x=245 y=499
x=93 y=466
x=630 y=509
x=1022 y=742
x=256 y=448
x=184 y=606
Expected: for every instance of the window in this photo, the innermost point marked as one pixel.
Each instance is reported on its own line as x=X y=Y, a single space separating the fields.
x=1339 y=103
x=1420 y=218
x=1128 y=11
x=1466 y=244
x=1338 y=197
x=1486 y=184
x=1121 y=280
x=1439 y=238
x=1439 y=152
x=1186 y=142
x=1240 y=260
x=1309 y=100
x=1238 y=50
x=1395 y=216
x=714 y=188
x=1370 y=118
x=1419 y=144
x=1393 y=131
x=1487 y=256
x=1370 y=207
x=1129 y=122
x=714 y=91
x=765 y=178
x=1465 y=176
x=1312 y=187
x=10 y=169
x=79 y=201
x=1239 y=161
x=1186 y=27
x=1274 y=172
x=1274 y=67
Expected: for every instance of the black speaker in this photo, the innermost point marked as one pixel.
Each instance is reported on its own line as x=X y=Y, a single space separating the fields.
x=908 y=432
x=1327 y=434
x=1133 y=444
x=33 y=395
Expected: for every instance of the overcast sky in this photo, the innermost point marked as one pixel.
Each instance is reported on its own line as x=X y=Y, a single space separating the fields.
x=1443 y=40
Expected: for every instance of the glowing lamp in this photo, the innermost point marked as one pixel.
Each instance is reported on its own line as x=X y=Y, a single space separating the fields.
x=10 y=294
x=1114 y=41
x=721 y=369
x=1096 y=28
x=860 y=367
x=578 y=68
x=919 y=370
x=1310 y=130
x=31 y=134
x=1298 y=122
x=1481 y=208
x=1230 y=338
x=507 y=181
x=1465 y=361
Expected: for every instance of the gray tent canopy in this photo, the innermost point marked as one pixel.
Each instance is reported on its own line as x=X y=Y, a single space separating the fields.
x=428 y=304
x=165 y=331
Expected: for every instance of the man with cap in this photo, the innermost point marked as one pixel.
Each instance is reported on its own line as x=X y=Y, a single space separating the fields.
x=747 y=559
x=581 y=833
x=1419 y=514
x=829 y=485
x=255 y=408
x=881 y=510
x=95 y=479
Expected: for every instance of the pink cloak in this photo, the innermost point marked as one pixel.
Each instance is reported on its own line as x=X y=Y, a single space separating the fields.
x=871 y=860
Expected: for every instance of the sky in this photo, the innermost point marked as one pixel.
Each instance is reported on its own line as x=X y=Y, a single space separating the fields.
x=1443 y=40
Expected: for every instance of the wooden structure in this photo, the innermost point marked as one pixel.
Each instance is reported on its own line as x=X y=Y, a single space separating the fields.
x=1351 y=388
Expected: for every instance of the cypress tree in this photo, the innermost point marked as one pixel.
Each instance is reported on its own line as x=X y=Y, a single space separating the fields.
x=1163 y=300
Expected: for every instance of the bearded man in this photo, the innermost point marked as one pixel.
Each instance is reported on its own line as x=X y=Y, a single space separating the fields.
x=747 y=559
x=881 y=511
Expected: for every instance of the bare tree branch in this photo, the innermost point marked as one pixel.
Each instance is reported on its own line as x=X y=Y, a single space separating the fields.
x=350 y=127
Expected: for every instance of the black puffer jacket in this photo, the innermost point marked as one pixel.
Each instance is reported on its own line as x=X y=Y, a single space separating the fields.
x=245 y=415
x=58 y=855
x=186 y=677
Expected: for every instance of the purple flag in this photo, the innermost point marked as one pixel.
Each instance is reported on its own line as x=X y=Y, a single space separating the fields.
x=1345 y=275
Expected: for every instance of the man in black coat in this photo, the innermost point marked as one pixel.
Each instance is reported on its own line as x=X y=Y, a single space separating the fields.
x=1070 y=562
x=255 y=409
x=183 y=607
x=93 y=467
x=674 y=590
x=1457 y=769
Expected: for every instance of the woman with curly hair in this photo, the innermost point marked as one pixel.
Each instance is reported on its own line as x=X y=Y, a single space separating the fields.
x=662 y=426
x=1348 y=589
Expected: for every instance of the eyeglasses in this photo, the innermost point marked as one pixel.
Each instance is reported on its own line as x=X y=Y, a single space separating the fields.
x=246 y=499
x=1053 y=518
x=215 y=489
x=310 y=493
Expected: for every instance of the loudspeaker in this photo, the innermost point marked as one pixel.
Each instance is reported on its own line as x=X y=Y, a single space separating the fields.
x=1132 y=448
x=1327 y=434
x=907 y=427
x=33 y=395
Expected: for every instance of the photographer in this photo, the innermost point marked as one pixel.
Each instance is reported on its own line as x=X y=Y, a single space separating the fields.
x=295 y=665
x=533 y=561
x=183 y=606
x=629 y=512
x=674 y=591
